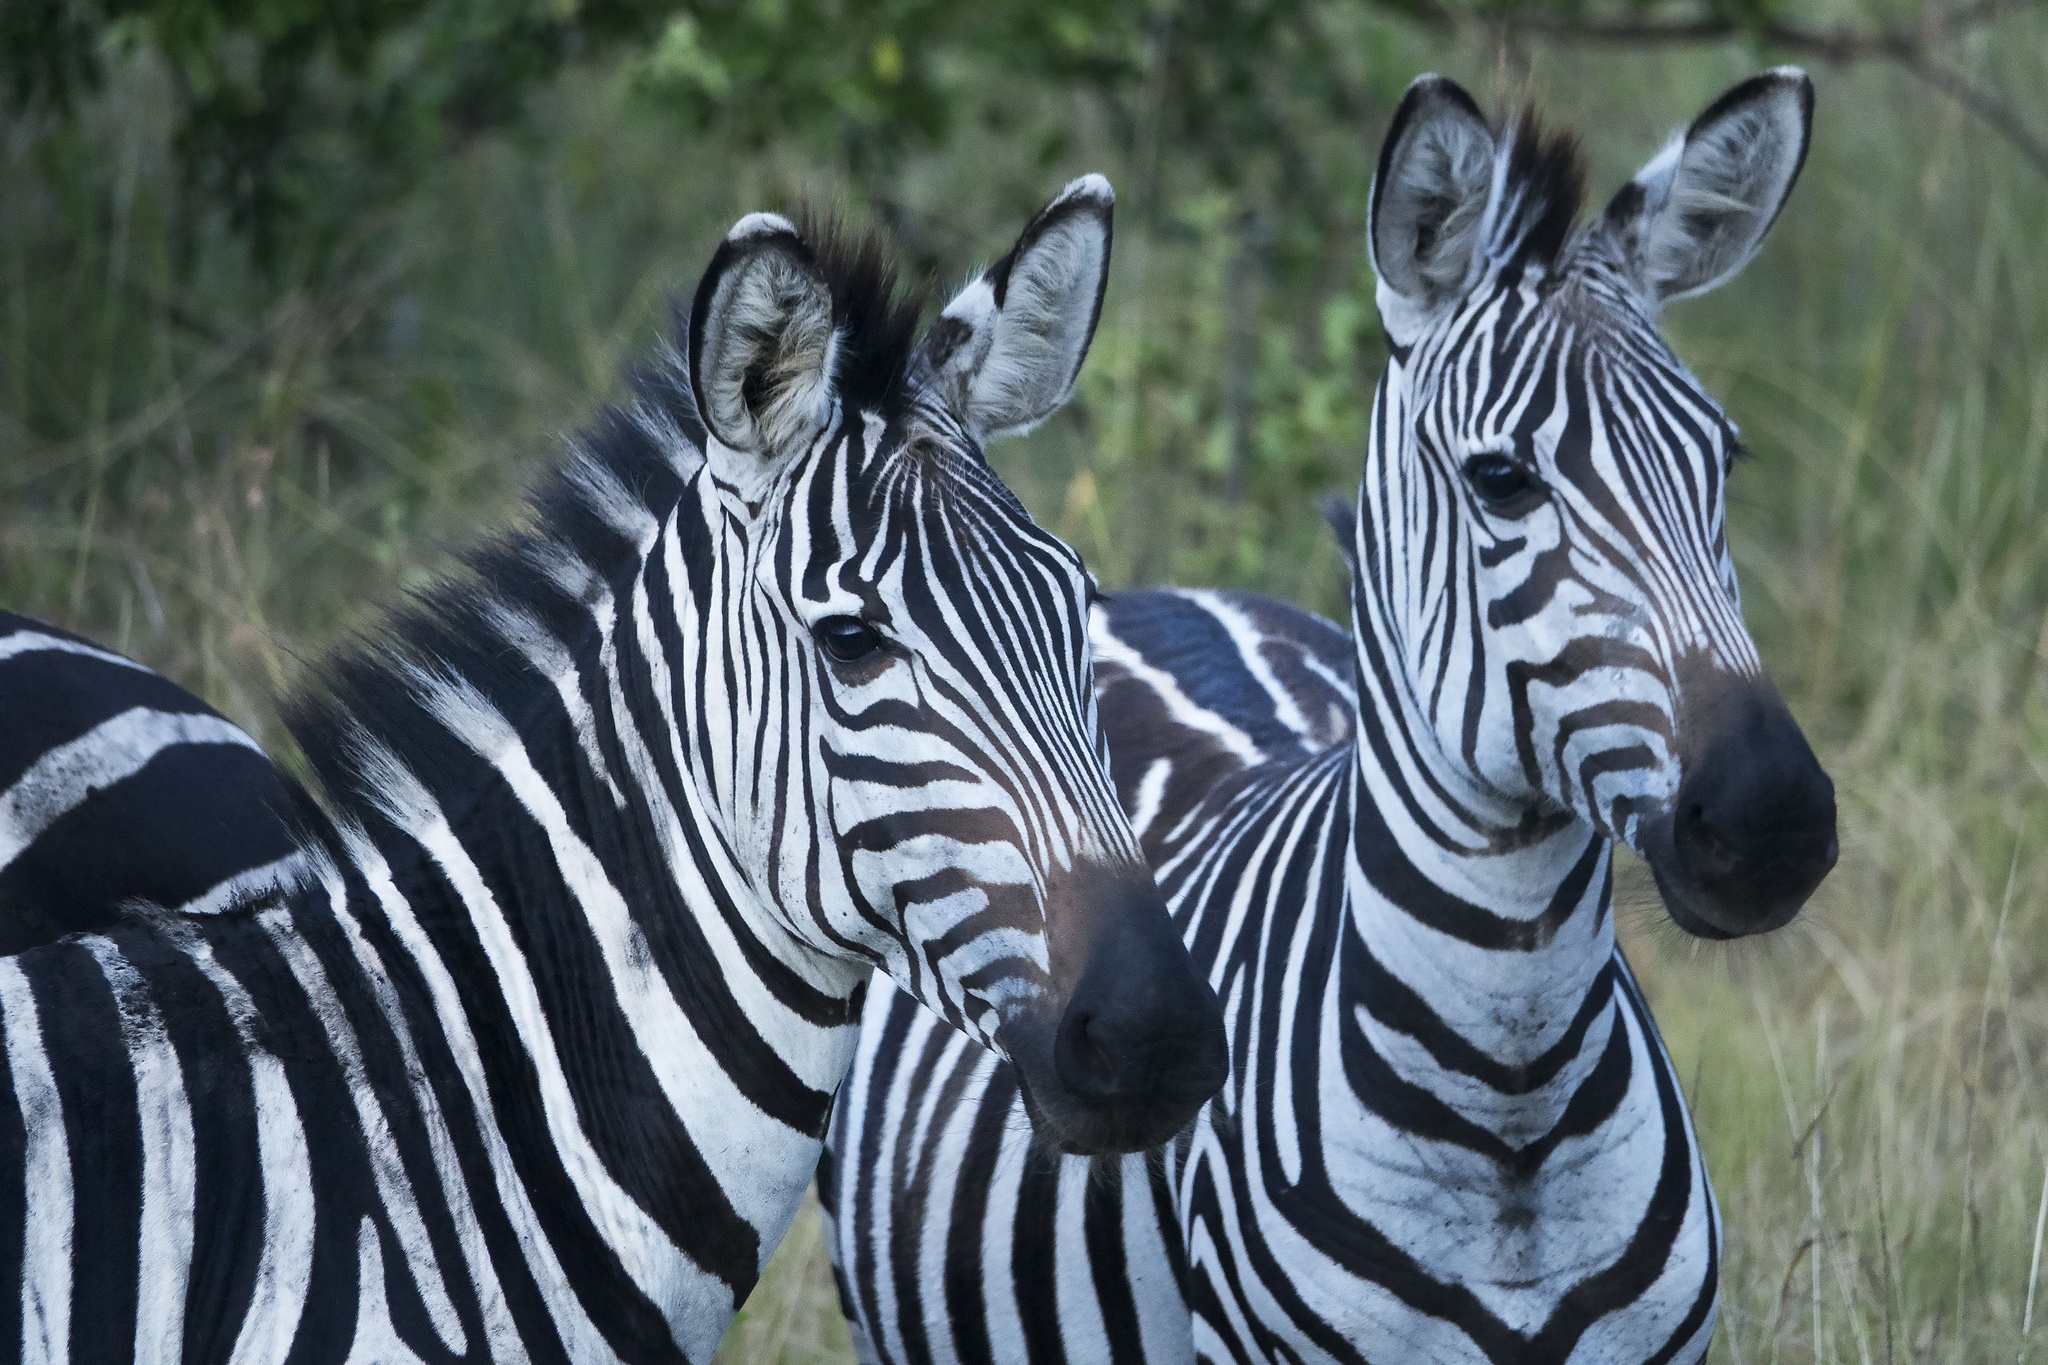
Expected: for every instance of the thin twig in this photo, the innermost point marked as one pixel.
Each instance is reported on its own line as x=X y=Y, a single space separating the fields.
x=1912 y=51
x=1981 y=103
x=2034 y=1269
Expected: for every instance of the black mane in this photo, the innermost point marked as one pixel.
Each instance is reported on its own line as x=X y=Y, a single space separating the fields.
x=878 y=319
x=1546 y=181
x=625 y=465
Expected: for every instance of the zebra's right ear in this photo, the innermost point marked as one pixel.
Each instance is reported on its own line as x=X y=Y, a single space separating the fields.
x=1007 y=349
x=762 y=341
x=1429 y=196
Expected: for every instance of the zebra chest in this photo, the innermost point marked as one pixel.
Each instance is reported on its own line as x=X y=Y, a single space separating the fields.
x=1415 y=1206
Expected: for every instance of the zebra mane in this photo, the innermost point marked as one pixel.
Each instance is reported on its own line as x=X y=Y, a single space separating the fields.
x=1542 y=182
x=877 y=317
x=512 y=599
x=477 y=628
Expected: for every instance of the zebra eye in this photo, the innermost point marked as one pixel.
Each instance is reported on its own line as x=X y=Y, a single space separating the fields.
x=1503 y=485
x=847 y=639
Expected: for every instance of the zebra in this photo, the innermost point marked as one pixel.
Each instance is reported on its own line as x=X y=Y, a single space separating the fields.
x=533 y=1060
x=1451 y=1131
x=116 y=784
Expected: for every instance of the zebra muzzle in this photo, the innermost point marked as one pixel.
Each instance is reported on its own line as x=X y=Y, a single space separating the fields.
x=1751 y=833
x=1138 y=1047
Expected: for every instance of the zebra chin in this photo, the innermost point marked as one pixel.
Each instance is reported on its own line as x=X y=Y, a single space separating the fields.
x=1751 y=834
x=1139 y=1046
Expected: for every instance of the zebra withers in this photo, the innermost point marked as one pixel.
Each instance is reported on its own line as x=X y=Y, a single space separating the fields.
x=117 y=784
x=534 y=1063
x=1451 y=1131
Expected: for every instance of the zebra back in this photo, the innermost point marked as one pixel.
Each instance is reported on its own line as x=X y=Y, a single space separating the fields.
x=118 y=785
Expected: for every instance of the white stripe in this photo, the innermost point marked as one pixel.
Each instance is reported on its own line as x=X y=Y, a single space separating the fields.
x=112 y=750
x=380 y=1148
x=552 y=660
x=623 y=1224
x=501 y=1333
x=1250 y=641
x=164 y=1256
x=280 y=876
x=46 y=1179
x=376 y=1341
x=35 y=642
x=1182 y=708
x=1083 y=1334
x=760 y=1163
x=739 y=1143
x=817 y=1055
x=1151 y=793
x=285 y=1267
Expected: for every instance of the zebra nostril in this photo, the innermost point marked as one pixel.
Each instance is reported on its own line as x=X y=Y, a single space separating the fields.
x=1703 y=844
x=1085 y=1059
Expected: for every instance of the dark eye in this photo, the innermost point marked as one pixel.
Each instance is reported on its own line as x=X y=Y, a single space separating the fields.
x=847 y=639
x=1503 y=485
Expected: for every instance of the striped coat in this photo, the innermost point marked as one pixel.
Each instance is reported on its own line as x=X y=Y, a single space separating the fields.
x=534 y=1058
x=117 y=784
x=1450 y=1132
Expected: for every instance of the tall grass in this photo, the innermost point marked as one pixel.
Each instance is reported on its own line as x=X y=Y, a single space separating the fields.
x=217 y=476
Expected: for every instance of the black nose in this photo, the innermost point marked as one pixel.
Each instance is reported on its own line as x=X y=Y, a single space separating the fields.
x=1753 y=829
x=1139 y=1047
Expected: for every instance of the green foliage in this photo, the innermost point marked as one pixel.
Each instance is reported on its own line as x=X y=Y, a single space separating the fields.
x=292 y=117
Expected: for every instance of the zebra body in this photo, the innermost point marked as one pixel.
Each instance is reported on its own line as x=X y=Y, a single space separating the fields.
x=117 y=784
x=534 y=1060
x=1451 y=1132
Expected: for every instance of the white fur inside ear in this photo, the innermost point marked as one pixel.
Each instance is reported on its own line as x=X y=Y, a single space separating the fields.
x=1429 y=201
x=1030 y=349
x=763 y=363
x=1710 y=197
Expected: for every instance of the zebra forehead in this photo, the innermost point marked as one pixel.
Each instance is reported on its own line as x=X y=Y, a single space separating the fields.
x=1578 y=331
x=916 y=498
x=930 y=469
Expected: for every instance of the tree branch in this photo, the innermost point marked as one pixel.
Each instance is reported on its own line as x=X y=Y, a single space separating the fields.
x=1912 y=51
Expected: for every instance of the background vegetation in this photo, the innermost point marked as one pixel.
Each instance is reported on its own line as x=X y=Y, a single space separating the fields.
x=294 y=294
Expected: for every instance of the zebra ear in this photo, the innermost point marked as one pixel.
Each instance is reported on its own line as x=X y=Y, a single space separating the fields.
x=1007 y=349
x=1699 y=210
x=762 y=341
x=1429 y=195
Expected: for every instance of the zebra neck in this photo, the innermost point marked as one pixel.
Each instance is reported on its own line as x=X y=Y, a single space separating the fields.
x=1478 y=958
x=557 y=848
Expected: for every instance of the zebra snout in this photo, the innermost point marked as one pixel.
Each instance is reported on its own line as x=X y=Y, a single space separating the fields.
x=1139 y=1046
x=1752 y=832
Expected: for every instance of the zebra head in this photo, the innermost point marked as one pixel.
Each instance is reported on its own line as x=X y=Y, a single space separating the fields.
x=1542 y=540
x=928 y=786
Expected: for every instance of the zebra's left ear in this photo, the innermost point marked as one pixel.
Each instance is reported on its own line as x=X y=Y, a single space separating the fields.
x=1699 y=210
x=1007 y=349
